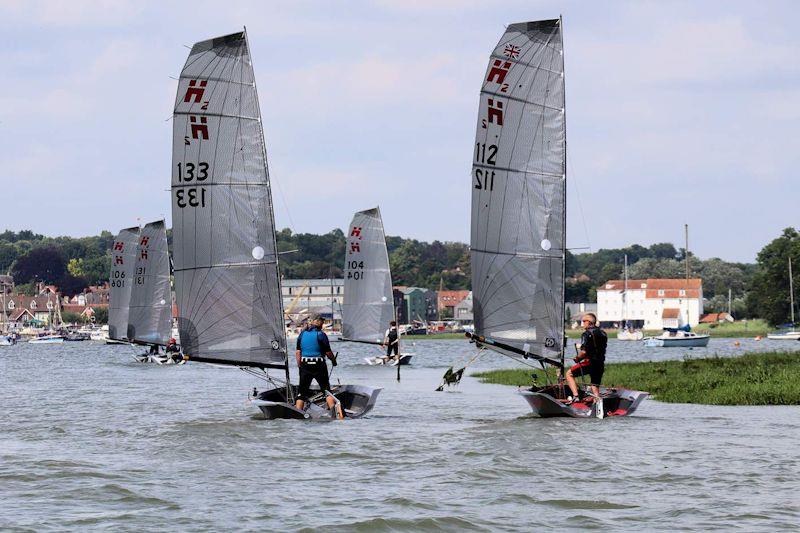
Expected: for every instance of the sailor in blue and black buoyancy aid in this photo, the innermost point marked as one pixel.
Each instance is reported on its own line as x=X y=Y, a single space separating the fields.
x=312 y=348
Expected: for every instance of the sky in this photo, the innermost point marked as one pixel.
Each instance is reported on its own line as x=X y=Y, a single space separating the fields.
x=677 y=113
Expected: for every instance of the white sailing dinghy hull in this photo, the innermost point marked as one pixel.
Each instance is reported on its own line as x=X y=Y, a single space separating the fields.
x=356 y=401
x=405 y=359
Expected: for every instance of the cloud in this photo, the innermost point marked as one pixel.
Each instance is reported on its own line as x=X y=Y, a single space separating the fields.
x=72 y=14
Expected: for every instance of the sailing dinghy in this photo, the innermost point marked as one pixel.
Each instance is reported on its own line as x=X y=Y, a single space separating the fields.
x=519 y=215
x=227 y=285
x=123 y=260
x=368 y=305
x=150 y=310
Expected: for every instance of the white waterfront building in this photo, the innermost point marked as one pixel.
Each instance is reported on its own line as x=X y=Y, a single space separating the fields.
x=310 y=296
x=650 y=303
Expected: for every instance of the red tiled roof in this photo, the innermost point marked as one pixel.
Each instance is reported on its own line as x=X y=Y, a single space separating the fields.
x=451 y=298
x=671 y=313
x=652 y=283
x=712 y=318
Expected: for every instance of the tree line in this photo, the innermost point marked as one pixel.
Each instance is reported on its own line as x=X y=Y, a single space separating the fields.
x=757 y=290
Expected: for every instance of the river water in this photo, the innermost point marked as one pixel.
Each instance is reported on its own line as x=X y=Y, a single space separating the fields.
x=90 y=439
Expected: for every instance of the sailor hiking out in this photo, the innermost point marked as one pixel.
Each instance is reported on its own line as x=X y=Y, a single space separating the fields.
x=312 y=348
x=591 y=357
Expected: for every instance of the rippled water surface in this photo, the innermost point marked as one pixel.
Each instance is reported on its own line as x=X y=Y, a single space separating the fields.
x=90 y=439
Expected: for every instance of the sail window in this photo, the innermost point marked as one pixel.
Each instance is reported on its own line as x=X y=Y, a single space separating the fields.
x=258 y=253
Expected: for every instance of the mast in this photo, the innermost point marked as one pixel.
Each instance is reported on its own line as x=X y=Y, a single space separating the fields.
x=289 y=395
x=625 y=292
x=563 y=340
x=686 y=235
x=791 y=290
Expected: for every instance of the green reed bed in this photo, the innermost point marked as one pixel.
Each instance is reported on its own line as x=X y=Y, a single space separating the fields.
x=751 y=379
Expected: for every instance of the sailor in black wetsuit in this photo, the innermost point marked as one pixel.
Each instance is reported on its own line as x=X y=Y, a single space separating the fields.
x=392 y=342
x=312 y=347
x=591 y=357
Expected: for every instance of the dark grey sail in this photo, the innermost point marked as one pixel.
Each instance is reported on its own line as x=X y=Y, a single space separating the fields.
x=225 y=260
x=368 y=304
x=518 y=192
x=150 y=317
x=123 y=259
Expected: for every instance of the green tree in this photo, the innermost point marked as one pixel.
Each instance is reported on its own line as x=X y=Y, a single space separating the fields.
x=768 y=294
x=75 y=267
x=100 y=315
x=45 y=263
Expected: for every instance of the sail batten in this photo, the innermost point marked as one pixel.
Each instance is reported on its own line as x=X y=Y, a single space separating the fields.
x=518 y=203
x=368 y=306
x=226 y=274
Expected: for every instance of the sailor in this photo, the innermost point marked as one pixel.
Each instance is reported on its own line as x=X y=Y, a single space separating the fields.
x=391 y=341
x=312 y=347
x=172 y=346
x=591 y=357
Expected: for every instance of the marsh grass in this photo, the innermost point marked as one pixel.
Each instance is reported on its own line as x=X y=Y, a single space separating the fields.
x=751 y=379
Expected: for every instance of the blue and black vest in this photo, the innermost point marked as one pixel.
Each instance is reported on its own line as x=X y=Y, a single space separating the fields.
x=309 y=343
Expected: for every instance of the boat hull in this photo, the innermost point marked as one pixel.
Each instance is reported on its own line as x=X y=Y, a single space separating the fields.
x=356 y=401
x=546 y=403
x=405 y=359
x=787 y=336
x=47 y=340
x=630 y=336
x=677 y=342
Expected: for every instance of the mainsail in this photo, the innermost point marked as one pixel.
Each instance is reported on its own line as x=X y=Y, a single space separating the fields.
x=518 y=192
x=123 y=259
x=226 y=270
x=368 y=304
x=150 y=318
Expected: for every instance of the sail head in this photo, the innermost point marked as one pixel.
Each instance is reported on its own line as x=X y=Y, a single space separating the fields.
x=518 y=199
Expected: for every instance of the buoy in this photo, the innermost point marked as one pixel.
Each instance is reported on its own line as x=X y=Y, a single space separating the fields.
x=737 y=343
x=758 y=337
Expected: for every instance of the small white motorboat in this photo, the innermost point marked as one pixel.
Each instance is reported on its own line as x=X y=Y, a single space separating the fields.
x=677 y=339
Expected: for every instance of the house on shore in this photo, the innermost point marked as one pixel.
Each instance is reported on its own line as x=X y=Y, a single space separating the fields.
x=650 y=303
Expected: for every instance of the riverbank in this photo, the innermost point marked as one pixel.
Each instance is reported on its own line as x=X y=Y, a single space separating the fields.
x=740 y=329
x=751 y=379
